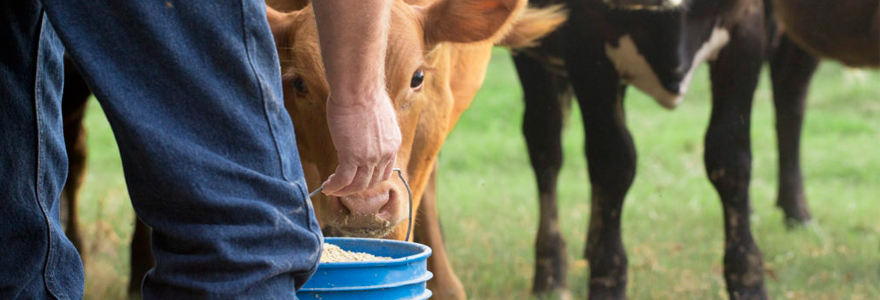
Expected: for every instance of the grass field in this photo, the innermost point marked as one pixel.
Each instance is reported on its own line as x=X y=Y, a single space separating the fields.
x=672 y=218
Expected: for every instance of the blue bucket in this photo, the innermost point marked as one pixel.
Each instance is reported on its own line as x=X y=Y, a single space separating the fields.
x=402 y=277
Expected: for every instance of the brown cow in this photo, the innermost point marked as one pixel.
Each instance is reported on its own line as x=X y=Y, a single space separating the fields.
x=437 y=57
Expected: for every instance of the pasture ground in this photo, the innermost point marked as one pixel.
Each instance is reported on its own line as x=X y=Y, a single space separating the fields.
x=672 y=218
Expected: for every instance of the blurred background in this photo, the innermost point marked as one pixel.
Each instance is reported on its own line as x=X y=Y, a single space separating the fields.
x=672 y=224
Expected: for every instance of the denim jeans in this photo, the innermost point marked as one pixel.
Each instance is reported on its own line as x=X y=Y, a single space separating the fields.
x=192 y=90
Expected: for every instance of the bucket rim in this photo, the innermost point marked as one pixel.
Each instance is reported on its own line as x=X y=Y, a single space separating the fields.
x=420 y=280
x=424 y=252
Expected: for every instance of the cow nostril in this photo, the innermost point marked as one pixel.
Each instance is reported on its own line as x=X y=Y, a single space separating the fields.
x=343 y=210
x=366 y=204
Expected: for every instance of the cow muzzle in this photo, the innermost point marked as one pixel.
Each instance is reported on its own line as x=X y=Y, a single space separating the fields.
x=367 y=203
x=372 y=214
x=375 y=213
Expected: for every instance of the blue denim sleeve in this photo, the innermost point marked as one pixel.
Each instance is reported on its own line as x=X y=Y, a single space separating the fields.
x=37 y=261
x=192 y=90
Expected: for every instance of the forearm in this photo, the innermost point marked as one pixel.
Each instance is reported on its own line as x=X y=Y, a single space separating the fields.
x=353 y=36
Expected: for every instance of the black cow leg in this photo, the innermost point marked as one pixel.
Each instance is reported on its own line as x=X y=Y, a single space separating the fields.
x=547 y=96
x=791 y=69
x=611 y=158
x=142 y=259
x=728 y=158
x=75 y=142
x=73 y=105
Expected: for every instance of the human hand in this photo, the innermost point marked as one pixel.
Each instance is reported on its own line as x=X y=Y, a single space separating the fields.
x=366 y=137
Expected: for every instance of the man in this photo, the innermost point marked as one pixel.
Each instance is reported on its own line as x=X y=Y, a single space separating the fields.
x=192 y=90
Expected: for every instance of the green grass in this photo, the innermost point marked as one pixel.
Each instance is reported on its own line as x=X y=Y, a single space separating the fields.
x=672 y=218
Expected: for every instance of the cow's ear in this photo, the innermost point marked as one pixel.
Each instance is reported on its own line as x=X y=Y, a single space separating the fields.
x=280 y=23
x=466 y=21
x=534 y=24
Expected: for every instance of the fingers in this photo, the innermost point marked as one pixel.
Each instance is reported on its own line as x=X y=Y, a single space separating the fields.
x=381 y=173
x=343 y=183
x=389 y=167
x=340 y=179
x=377 y=176
x=360 y=182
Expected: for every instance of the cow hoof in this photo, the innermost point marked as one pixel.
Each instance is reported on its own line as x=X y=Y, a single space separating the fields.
x=795 y=218
x=749 y=294
x=607 y=294
x=795 y=210
x=551 y=268
x=795 y=223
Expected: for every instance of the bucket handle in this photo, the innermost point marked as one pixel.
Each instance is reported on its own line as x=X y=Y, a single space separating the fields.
x=408 y=191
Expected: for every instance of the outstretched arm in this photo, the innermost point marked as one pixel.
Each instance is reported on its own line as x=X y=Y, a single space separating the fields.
x=353 y=37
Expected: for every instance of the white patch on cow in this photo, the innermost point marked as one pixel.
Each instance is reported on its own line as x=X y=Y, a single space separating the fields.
x=635 y=70
x=708 y=52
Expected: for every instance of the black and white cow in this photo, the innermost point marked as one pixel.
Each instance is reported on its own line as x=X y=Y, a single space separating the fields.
x=655 y=45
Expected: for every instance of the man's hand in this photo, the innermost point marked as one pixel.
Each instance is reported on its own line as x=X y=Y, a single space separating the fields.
x=366 y=138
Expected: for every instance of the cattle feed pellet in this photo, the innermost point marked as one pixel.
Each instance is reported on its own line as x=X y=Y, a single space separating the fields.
x=333 y=253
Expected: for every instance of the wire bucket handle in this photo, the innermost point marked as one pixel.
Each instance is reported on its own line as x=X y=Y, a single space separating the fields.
x=408 y=191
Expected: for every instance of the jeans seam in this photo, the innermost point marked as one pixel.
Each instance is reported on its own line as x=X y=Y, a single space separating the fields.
x=306 y=201
x=304 y=193
x=247 y=50
x=48 y=271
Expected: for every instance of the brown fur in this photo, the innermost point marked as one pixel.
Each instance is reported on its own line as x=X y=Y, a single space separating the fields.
x=533 y=25
x=287 y=5
x=469 y=21
x=844 y=30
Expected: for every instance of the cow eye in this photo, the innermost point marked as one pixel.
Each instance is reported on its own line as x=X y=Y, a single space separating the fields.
x=417 y=79
x=300 y=85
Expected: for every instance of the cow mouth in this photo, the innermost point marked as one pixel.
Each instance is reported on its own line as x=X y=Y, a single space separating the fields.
x=376 y=228
x=365 y=225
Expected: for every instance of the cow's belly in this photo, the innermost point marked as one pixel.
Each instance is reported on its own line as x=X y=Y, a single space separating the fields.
x=634 y=68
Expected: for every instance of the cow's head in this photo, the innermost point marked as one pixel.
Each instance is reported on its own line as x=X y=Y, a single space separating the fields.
x=436 y=59
x=656 y=45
